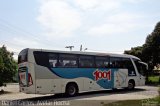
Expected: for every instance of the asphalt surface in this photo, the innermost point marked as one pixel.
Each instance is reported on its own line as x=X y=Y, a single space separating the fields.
x=97 y=98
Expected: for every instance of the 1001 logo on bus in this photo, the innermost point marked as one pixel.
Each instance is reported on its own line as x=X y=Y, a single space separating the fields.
x=98 y=74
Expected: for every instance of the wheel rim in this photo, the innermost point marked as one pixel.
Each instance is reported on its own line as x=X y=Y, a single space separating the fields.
x=71 y=90
x=130 y=85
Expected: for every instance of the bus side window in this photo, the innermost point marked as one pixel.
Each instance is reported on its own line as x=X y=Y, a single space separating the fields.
x=128 y=65
x=41 y=58
x=53 y=60
x=115 y=62
x=86 y=61
x=123 y=63
x=68 y=60
x=61 y=63
x=102 y=62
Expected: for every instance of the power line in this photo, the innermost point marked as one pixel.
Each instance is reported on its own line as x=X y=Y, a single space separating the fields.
x=14 y=29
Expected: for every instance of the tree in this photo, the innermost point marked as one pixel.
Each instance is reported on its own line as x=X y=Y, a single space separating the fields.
x=136 y=51
x=8 y=66
x=150 y=51
x=151 y=48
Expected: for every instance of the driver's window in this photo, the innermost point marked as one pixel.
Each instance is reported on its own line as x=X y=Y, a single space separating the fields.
x=142 y=68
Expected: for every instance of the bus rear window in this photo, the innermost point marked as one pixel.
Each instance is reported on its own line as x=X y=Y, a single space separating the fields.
x=23 y=55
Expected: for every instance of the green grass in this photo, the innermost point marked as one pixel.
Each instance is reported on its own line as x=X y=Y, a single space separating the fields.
x=154 y=79
x=126 y=103
x=145 y=102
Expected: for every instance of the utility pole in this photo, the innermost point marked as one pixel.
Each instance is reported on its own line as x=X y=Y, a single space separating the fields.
x=85 y=49
x=81 y=48
x=70 y=47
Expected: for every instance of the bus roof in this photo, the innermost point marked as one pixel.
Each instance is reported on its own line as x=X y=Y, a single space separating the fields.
x=86 y=53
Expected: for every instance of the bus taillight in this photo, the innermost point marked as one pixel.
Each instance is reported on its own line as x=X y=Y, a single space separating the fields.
x=30 y=82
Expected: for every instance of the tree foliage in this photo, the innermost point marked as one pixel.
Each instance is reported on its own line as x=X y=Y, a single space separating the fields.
x=150 y=51
x=136 y=51
x=152 y=46
x=8 y=67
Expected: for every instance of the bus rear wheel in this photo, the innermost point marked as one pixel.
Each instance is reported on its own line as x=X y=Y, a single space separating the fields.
x=71 y=89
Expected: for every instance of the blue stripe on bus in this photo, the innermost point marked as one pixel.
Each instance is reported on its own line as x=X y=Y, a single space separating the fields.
x=71 y=73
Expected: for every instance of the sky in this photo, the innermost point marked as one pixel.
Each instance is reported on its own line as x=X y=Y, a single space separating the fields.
x=99 y=25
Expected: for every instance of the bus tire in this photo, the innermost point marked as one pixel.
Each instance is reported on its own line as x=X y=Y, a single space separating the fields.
x=131 y=84
x=71 y=89
x=114 y=89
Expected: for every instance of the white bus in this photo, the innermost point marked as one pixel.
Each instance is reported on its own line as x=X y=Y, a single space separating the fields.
x=72 y=72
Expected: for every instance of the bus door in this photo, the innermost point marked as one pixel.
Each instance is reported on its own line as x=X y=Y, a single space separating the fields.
x=142 y=69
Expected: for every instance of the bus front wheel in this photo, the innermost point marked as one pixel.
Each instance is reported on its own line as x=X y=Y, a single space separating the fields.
x=131 y=85
x=71 y=89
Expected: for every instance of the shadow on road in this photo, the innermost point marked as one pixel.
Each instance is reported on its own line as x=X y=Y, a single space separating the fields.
x=83 y=95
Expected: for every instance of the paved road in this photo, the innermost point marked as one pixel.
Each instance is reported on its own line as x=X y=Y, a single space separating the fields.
x=91 y=98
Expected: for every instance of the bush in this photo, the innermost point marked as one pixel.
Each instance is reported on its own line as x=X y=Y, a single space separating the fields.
x=153 y=80
x=8 y=66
